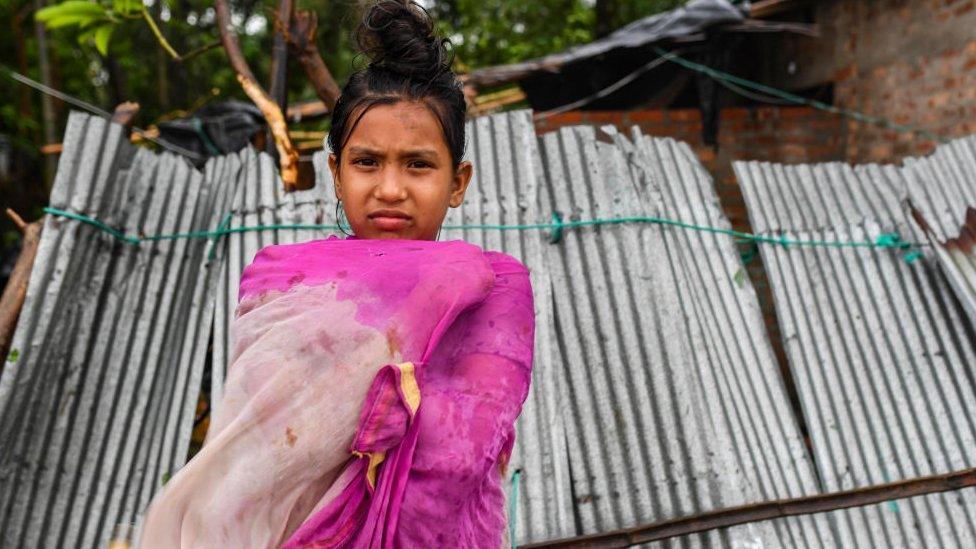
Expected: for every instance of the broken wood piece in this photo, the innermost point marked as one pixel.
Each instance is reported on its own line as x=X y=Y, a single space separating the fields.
x=14 y=293
x=125 y=115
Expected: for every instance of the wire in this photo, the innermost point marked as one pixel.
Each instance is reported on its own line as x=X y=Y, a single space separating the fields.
x=604 y=92
x=793 y=98
x=887 y=240
x=82 y=104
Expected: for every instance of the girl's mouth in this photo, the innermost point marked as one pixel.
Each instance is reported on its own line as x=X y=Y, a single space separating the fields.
x=390 y=220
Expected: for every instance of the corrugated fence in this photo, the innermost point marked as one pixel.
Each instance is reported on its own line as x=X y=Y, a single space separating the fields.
x=655 y=393
x=882 y=352
x=98 y=395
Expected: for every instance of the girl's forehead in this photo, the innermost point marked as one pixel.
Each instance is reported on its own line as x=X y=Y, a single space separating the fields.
x=402 y=125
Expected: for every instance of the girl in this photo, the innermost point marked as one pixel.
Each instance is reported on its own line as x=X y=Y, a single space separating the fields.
x=374 y=380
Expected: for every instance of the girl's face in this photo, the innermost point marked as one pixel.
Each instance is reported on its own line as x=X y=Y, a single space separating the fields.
x=396 y=178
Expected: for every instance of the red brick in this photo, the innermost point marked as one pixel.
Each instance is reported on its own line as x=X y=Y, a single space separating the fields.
x=603 y=117
x=797 y=112
x=881 y=152
x=685 y=115
x=846 y=73
x=735 y=114
x=641 y=116
x=566 y=118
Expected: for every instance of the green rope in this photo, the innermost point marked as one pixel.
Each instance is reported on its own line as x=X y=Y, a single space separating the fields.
x=202 y=133
x=213 y=243
x=855 y=115
x=888 y=240
x=513 y=513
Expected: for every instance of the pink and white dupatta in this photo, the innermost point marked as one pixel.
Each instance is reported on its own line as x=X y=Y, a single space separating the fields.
x=370 y=402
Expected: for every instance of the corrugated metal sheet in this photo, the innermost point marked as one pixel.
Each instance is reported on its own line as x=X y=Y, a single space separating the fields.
x=881 y=350
x=957 y=257
x=259 y=199
x=655 y=392
x=503 y=191
x=944 y=185
x=672 y=400
x=98 y=403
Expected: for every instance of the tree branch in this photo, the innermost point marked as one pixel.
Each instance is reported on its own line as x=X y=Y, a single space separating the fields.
x=202 y=49
x=301 y=38
x=159 y=34
x=287 y=155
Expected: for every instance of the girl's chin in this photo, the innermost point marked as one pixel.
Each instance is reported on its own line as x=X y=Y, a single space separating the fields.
x=392 y=235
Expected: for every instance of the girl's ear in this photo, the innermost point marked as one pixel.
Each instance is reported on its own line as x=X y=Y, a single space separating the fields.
x=334 y=168
x=462 y=176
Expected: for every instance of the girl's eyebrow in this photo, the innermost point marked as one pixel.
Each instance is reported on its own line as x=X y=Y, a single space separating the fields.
x=408 y=153
x=364 y=150
x=426 y=153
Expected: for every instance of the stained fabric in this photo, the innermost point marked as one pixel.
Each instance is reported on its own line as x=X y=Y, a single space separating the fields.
x=370 y=401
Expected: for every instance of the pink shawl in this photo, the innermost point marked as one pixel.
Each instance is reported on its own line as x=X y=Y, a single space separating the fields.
x=370 y=402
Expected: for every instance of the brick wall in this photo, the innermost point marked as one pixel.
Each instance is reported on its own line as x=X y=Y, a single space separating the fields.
x=910 y=61
x=913 y=62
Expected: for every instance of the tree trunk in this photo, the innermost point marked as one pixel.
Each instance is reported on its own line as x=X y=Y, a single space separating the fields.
x=301 y=37
x=48 y=117
x=606 y=16
x=162 y=65
x=278 y=81
x=17 y=29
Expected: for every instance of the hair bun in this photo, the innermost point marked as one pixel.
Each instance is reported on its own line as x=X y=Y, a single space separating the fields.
x=399 y=36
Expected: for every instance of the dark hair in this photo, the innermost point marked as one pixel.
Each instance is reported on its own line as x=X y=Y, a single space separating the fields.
x=407 y=61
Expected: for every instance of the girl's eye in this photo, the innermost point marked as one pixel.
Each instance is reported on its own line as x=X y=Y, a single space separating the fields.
x=364 y=162
x=419 y=164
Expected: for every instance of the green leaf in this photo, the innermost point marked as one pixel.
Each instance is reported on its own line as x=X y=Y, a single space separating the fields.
x=85 y=36
x=127 y=7
x=14 y=355
x=102 y=36
x=72 y=12
x=67 y=20
x=739 y=278
x=70 y=8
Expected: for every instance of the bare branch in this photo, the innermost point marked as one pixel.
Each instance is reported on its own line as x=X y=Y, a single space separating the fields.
x=287 y=155
x=159 y=34
x=301 y=38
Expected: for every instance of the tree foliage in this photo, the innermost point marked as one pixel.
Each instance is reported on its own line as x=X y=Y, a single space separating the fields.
x=109 y=51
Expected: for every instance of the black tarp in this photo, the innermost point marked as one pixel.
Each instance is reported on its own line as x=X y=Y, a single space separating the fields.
x=216 y=129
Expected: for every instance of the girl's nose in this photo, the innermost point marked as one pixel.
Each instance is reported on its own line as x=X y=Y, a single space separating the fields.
x=390 y=187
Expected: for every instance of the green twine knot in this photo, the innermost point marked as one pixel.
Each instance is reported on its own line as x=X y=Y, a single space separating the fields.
x=894 y=240
x=557 y=228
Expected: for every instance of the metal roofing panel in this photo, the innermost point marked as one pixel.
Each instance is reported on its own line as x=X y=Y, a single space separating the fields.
x=260 y=199
x=957 y=257
x=879 y=347
x=98 y=405
x=503 y=190
x=673 y=404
